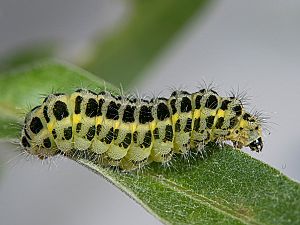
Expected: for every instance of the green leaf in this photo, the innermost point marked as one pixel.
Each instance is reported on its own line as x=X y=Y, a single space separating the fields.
x=151 y=26
x=226 y=187
x=24 y=88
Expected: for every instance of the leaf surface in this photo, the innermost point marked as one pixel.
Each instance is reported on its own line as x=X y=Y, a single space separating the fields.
x=226 y=187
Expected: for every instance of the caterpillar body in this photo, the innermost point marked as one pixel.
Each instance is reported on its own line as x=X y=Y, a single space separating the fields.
x=130 y=132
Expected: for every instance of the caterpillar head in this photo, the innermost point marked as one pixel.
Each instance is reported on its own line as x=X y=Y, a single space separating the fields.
x=249 y=133
x=256 y=145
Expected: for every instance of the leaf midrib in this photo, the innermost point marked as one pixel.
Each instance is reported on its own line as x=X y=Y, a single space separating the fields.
x=170 y=184
x=204 y=200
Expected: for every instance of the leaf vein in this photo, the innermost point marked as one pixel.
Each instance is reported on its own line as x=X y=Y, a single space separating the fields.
x=206 y=201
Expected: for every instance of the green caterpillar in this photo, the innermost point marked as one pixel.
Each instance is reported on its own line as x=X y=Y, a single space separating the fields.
x=130 y=132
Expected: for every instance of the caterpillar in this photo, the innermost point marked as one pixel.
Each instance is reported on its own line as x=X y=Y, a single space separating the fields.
x=129 y=132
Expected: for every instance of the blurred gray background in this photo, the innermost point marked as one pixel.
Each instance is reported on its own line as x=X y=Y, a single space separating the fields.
x=250 y=45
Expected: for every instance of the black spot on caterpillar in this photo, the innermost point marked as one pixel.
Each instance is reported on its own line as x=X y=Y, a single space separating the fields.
x=130 y=133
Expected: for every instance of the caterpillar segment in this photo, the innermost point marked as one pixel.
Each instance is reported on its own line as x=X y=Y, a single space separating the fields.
x=163 y=131
x=130 y=133
x=140 y=117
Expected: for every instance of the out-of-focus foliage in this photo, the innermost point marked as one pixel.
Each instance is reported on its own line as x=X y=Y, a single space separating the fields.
x=27 y=55
x=127 y=52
